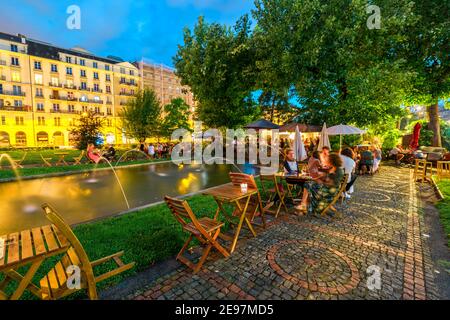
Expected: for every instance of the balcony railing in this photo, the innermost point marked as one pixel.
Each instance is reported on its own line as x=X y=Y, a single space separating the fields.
x=12 y=108
x=13 y=93
x=70 y=87
x=126 y=94
x=84 y=89
x=56 y=85
x=65 y=111
x=108 y=102
x=99 y=90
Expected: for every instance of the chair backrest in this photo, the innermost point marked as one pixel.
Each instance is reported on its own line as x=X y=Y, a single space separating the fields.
x=23 y=157
x=65 y=229
x=238 y=178
x=81 y=154
x=269 y=178
x=183 y=213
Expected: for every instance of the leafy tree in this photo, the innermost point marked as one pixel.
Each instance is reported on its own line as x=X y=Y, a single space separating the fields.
x=87 y=129
x=142 y=115
x=217 y=63
x=342 y=71
x=176 y=116
x=426 y=50
x=276 y=107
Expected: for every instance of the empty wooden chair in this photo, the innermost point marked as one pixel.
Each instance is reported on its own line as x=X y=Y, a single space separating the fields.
x=205 y=229
x=46 y=160
x=273 y=191
x=77 y=160
x=18 y=162
x=55 y=284
x=336 y=197
x=443 y=169
x=255 y=202
x=423 y=170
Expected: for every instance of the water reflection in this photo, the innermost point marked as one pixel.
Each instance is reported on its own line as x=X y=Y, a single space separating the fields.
x=88 y=196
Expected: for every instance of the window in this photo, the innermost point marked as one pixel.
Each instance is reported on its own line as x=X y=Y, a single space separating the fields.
x=42 y=138
x=108 y=77
x=3 y=120
x=83 y=73
x=71 y=108
x=132 y=92
x=83 y=98
x=57 y=122
x=54 y=68
x=82 y=62
x=37 y=65
x=108 y=89
x=96 y=87
x=132 y=81
x=97 y=110
x=41 y=121
x=17 y=90
x=40 y=106
x=122 y=70
x=55 y=81
x=21 y=138
x=69 y=83
x=109 y=123
x=131 y=72
x=109 y=111
x=84 y=108
x=14 y=48
x=1 y=89
x=15 y=76
x=122 y=80
x=39 y=92
x=97 y=98
x=95 y=65
x=19 y=121
x=69 y=70
x=95 y=75
x=38 y=78
x=107 y=67
x=83 y=86
x=68 y=59
x=56 y=107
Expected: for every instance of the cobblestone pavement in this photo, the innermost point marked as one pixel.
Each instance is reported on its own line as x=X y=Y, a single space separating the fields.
x=320 y=258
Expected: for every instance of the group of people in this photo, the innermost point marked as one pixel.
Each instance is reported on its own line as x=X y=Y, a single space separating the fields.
x=327 y=170
x=157 y=150
x=95 y=155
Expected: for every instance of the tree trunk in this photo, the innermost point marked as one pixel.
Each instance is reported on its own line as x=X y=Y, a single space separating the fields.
x=433 y=124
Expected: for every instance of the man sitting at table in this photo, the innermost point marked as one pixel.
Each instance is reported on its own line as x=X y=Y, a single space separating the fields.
x=396 y=154
x=110 y=153
x=290 y=164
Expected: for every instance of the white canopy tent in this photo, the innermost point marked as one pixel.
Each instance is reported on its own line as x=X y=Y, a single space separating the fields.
x=343 y=130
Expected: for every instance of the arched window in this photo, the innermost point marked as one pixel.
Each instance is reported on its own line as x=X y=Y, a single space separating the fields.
x=58 y=138
x=21 y=138
x=4 y=139
x=42 y=138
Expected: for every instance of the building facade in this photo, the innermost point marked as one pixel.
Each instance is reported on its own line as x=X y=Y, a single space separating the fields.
x=164 y=82
x=44 y=89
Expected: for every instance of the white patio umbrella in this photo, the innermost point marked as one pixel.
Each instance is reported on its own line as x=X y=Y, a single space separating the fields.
x=300 y=151
x=324 y=141
x=343 y=130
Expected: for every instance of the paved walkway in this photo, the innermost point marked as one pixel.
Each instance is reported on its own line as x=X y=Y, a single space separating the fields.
x=312 y=258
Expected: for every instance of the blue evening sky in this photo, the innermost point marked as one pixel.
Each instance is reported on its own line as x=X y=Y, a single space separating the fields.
x=130 y=29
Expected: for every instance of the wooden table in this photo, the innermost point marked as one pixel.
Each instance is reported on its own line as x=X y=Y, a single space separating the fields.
x=294 y=179
x=28 y=247
x=229 y=193
x=61 y=156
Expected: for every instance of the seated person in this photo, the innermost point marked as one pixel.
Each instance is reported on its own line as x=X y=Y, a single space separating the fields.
x=324 y=156
x=110 y=153
x=92 y=153
x=290 y=164
x=314 y=165
x=349 y=166
x=396 y=154
x=320 y=192
x=366 y=162
x=377 y=158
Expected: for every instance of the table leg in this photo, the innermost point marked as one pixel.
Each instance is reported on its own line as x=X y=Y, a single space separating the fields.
x=244 y=213
x=238 y=230
x=24 y=283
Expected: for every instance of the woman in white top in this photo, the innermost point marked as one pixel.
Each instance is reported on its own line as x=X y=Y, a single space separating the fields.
x=349 y=165
x=151 y=150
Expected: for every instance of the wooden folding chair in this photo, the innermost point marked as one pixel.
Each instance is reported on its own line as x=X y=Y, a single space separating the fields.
x=46 y=160
x=255 y=202
x=423 y=170
x=273 y=191
x=336 y=197
x=79 y=158
x=205 y=229
x=55 y=284
x=18 y=162
x=443 y=169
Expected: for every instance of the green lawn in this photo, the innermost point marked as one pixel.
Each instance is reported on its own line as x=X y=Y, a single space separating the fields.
x=34 y=164
x=146 y=236
x=444 y=206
